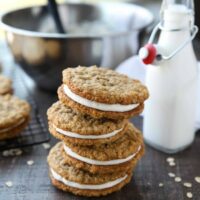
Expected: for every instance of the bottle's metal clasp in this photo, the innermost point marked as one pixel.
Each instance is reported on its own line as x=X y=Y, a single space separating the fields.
x=158 y=27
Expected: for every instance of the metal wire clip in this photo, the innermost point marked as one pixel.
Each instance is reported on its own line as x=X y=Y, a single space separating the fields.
x=158 y=27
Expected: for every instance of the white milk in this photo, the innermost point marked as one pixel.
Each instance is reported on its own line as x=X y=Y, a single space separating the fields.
x=170 y=111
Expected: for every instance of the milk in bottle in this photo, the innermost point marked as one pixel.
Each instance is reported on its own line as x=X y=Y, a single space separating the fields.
x=171 y=78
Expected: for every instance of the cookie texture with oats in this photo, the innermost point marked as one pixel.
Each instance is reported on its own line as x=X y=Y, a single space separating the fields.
x=104 y=85
x=63 y=117
x=5 y=85
x=56 y=161
x=130 y=143
x=14 y=116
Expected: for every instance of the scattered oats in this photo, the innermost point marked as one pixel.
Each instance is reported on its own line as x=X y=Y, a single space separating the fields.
x=189 y=195
x=5 y=153
x=9 y=184
x=172 y=164
x=189 y=185
x=171 y=174
x=197 y=179
x=18 y=152
x=170 y=159
x=178 y=179
x=12 y=152
x=30 y=162
x=46 y=145
x=160 y=184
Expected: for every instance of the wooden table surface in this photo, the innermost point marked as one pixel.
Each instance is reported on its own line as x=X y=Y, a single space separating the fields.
x=32 y=182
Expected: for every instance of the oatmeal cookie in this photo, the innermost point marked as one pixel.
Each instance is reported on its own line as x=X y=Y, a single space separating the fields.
x=14 y=116
x=79 y=182
x=102 y=92
x=73 y=127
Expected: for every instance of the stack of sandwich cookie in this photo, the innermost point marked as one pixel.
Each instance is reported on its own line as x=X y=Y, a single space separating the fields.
x=14 y=116
x=99 y=147
x=14 y=113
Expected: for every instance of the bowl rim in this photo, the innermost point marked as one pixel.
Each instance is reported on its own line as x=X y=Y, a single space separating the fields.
x=36 y=34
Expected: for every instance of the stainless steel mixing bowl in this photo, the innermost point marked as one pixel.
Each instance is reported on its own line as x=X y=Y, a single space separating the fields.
x=43 y=53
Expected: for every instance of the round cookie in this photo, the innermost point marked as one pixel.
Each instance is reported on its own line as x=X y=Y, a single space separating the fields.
x=117 y=156
x=101 y=92
x=79 y=182
x=5 y=85
x=14 y=116
x=70 y=126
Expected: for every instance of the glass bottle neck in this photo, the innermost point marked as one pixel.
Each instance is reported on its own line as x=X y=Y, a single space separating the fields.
x=176 y=21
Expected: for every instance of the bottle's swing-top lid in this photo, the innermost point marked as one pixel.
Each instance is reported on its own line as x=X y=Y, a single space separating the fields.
x=176 y=15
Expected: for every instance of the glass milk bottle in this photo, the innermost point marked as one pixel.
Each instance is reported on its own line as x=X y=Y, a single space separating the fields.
x=169 y=122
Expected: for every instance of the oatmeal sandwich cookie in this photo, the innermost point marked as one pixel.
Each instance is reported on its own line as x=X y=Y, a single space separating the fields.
x=117 y=156
x=101 y=92
x=79 y=182
x=72 y=127
x=14 y=116
x=5 y=85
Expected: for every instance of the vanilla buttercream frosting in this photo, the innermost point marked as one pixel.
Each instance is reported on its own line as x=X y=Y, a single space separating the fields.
x=98 y=162
x=92 y=137
x=97 y=105
x=86 y=186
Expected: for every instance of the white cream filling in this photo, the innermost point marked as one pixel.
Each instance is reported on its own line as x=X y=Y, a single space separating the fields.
x=12 y=127
x=87 y=186
x=92 y=137
x=96 y=105
x=98 y=162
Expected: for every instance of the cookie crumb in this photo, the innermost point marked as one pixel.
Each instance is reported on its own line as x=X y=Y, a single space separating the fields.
x=178 y=179
x=197 y=179
x=188 y=185
x=170 y=159
x=189 y=195
x=18 y=152
x=172 y=164
x=9 y=183
x=171 y=174
x=12 y=152
x=46 y=145
x=160 y=184
x=30 y=162
x=5 y=153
